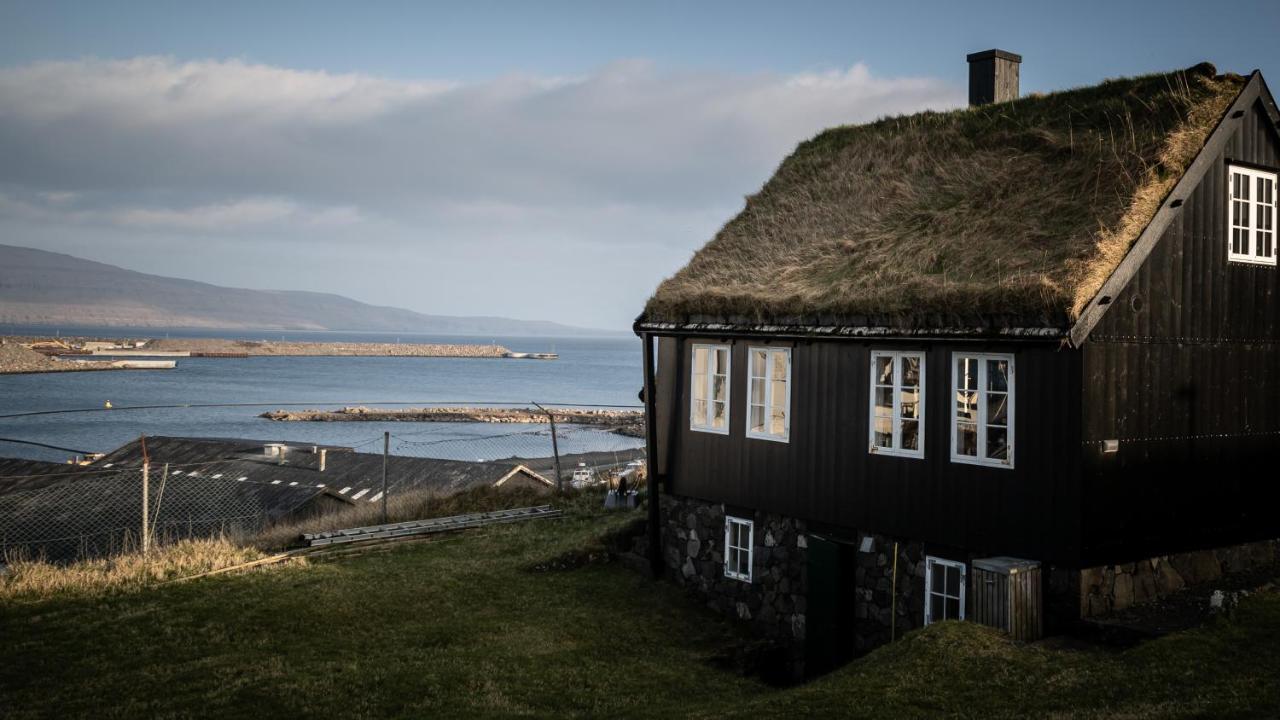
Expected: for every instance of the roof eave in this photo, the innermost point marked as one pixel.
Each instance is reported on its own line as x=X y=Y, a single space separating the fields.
x=1019 y=333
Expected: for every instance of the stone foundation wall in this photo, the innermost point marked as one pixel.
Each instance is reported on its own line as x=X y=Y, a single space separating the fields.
x=874 y=607
x=773 y=603
x=1116 y=587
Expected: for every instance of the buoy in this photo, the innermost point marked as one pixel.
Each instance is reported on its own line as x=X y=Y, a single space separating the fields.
x=107 y=405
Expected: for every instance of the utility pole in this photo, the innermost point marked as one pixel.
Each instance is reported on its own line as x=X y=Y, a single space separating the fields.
x=386 y=450
x=146 y=504
x=555 y=448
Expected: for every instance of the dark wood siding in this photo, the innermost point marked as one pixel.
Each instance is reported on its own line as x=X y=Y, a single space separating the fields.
x=1184 y=370
x=825 y=473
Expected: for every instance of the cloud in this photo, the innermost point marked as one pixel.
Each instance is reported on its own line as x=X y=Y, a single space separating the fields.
x=627 y=157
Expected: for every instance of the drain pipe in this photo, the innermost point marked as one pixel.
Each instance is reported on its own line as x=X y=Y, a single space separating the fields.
x=651 y=458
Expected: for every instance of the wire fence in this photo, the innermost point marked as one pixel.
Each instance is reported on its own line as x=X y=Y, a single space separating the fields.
x=242 y=488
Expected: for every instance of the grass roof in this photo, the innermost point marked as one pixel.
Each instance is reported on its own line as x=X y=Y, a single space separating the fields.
x=1018 y=210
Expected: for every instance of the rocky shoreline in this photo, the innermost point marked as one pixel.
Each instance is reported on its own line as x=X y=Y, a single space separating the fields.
x=16 y=359
x=623 y=422
x=254 y=348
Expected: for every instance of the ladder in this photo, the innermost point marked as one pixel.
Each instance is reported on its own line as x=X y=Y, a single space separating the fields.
x=429 y=526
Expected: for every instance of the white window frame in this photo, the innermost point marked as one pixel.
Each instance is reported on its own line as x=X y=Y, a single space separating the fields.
x=1254 y=207
x=981 y=458
x=735 y=551
x=709 y=387
x=768 y=396
x=896 y=449
x=929 y=592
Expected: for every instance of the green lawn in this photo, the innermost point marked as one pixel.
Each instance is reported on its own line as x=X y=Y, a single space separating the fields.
x=463 y=627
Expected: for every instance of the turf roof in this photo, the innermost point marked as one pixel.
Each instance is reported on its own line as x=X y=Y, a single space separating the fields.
x=1017 y=211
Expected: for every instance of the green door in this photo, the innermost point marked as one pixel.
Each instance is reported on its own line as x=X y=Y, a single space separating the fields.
x=830 y=600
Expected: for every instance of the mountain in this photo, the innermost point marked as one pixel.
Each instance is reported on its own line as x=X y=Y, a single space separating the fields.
x=45 y=288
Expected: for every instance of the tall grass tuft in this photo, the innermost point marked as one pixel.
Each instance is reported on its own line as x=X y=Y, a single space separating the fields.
x=36 y=579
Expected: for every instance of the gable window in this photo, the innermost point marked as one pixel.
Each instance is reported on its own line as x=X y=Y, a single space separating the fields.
x=769 y=393
x=1252 y=216
x=897 y=403
x=738 y=537
x=982 y=420
x=944 y=582
x=709 y=390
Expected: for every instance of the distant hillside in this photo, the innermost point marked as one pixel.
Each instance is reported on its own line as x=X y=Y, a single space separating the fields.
x=46 y=288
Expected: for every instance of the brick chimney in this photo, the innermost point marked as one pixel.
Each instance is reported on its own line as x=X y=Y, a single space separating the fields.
x=993 y=77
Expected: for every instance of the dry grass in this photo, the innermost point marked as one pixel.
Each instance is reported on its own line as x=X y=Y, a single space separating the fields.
x=1016 y=210
x=33 y=580
x=402 y=508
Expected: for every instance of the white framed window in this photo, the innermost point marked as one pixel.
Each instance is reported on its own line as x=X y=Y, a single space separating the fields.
x=709 y=389
x=944 y=582
x=739 y=534
x=982 y=419
x=769 y=393
x=897 y=403
x=1251 y=217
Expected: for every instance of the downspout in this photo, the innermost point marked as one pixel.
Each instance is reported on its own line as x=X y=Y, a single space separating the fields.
x=651 y=458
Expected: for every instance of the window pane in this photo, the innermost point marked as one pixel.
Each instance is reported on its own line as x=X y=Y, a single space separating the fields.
x=778 y=422
x=718 y=415
x=967 y=439
x=953 y=608
x=757 y=363
x=998 y=375
x=721 y=365
x=998 y=408
x=884 y=370
x=910 y=371
x=937 y=611
x=778 y=394
x=909 y=403
x=719 y=387
x=953 y=581
x=910 y=435
x=1244 y=187
x=700 y=360
x=781 y=358
x=757 y=418
x=967 y=406
x=967 y=373
x=757 y=391
x=884 y=401
x=938 y=577
x=884 y=432
x=700 y=412
x=997 y=443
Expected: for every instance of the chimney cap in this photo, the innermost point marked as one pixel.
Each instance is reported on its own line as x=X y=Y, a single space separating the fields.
x=994 y=53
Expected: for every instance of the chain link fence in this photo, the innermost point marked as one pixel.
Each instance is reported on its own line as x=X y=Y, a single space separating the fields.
x=78 y=514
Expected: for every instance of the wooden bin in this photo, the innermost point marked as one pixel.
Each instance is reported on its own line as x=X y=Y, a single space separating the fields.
x=1006 y=594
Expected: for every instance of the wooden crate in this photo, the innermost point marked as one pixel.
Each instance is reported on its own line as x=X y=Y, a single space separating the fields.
x=1006 y=593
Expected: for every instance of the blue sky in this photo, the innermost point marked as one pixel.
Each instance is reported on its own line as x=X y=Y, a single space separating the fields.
x=581 y=144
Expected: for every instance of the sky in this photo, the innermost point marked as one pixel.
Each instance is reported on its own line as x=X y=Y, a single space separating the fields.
x=548 y=160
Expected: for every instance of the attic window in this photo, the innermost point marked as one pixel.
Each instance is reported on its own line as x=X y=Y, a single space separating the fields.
x=769 y=393
x=709 y=390
x=982 y=418
x=897 y=403
x=1251 y=221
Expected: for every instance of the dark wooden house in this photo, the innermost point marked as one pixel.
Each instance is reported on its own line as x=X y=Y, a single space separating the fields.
x=1038 y=337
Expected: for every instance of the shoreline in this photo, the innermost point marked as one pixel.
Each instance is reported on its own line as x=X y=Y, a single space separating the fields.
x=224 y=348
x=623 y=422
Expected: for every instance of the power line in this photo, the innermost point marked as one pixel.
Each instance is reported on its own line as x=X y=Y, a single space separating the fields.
x=44 y=445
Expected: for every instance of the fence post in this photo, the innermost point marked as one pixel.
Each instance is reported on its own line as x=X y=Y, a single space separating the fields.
x=146 y=504
x=555 y=448
x=386 y=450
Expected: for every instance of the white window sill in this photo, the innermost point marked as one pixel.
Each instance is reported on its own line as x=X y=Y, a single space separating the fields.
x=775 y=438
x=912 y=454
x=713 y=431
x=740 y=578
x=970 y=460
x=1244 y=260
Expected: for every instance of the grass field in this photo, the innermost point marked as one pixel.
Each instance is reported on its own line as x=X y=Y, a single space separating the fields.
x=467 y=626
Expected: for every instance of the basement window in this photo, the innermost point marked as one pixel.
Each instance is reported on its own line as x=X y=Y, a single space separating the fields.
x=709 y=390
x=944 y=582
x=897 y=403
x=1251 y=220
x=738 y=536
x=982 y=420
x=769 y=393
